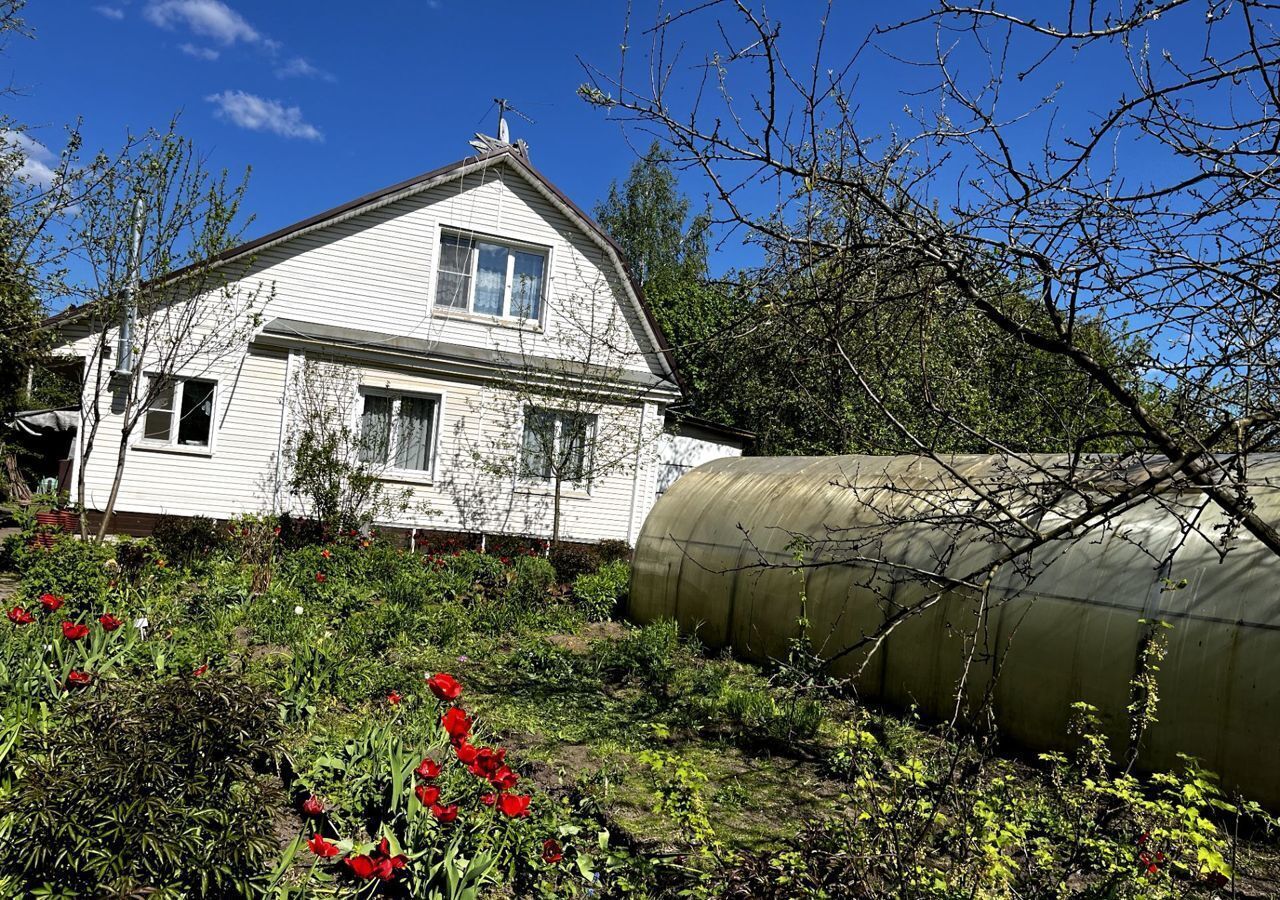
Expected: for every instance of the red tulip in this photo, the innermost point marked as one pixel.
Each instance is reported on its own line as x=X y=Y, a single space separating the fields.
x=325 y=554
x=109 y=622
x=320 y=847
x=444 y=686
x=394 y=698
x=428 y=769
x=551 y=852
x=363 y=866
x=386 y=863
x=77 y=678
x=73 y=631
x=320 y=577
x=504 y=779
x=444 y=813
x=514 y=805
x=199 y=671
x=465 y=752
x=427 y=794
x=313 y=806
x=489 y=761
x=457 y=723
x=488 y=799
x=50 y=602
x=19 y=616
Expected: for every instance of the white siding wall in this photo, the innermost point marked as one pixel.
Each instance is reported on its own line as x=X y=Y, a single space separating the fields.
x=374 y=272
x=678 y=454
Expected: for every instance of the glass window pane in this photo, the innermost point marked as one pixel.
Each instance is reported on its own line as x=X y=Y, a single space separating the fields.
x=452 y=290
x=159 y=418
x=575 y=432
x=453 y=278
x=196 y=420
x=413 y=441
x=491 y=279
x=537 y=443
x=375 y=429
x=526 y=285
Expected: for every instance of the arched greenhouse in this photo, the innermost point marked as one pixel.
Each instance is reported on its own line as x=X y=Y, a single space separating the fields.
x=1064 y=623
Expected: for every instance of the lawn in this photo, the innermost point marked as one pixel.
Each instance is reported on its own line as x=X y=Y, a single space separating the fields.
x=258 y=709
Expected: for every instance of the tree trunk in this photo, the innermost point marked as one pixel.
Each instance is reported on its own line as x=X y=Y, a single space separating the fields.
x=121 y=456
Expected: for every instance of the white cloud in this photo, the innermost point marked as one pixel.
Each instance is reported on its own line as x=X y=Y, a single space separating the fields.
x=37 y=159
x=301 y=68
x=110 y=12
x=260 y=114
x=211 y=19
x=199 y=52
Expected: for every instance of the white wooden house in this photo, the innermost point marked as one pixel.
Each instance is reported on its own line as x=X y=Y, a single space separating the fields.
x=433 y=295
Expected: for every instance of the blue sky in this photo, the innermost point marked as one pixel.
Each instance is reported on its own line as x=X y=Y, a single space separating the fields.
x=327 y=101
x=324 y=101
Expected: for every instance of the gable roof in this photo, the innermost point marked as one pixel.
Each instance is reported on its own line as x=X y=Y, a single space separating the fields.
x=422 y=182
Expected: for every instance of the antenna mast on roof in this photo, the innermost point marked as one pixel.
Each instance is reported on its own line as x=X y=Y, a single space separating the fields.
x=484 y=143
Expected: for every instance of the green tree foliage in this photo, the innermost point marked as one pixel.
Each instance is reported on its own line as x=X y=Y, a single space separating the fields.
x=667 y=250
x=854 y=354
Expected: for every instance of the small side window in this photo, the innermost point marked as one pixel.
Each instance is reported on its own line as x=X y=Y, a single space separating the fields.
x=181 y=413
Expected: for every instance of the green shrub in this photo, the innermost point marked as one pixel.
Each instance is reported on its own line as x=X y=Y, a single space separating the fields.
x=773 y=719
x=572 y=560
x=134 y=556
x=543 y=663
x=143 y=788
x=83 y=570
x=599 y=593
x=532 y=578
x=614 y=551
x=187 y=540
x=477 y=568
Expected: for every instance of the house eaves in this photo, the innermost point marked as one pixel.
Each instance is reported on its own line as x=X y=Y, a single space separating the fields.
x=461 y=360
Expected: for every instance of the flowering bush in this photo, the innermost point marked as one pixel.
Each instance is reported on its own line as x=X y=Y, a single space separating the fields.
x=460 y=799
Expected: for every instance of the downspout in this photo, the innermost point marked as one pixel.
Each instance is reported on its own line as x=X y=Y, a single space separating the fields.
x=635 y=478
x=129 y=315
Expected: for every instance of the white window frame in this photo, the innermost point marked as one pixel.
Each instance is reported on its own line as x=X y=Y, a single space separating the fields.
x=392 y=471
x=588 y=451
x=171 y=443
x=504 y=317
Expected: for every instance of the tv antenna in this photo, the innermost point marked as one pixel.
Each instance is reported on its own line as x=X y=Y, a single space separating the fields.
x=504 y=105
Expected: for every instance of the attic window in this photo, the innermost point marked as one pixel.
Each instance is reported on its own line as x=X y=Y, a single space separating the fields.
x=490 y=278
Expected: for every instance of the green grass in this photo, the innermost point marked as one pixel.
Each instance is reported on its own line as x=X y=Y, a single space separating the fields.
x=698 y=762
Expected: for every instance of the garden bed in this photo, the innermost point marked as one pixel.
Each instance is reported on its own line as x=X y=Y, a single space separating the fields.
x=310 y=746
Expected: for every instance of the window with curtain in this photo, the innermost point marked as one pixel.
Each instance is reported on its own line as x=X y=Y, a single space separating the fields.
x=398 y=431
x=556 y=442
x=490 y=277
x=181 y=413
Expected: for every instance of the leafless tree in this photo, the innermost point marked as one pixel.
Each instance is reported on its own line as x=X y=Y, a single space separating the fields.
x=1149 y=214
x=187 y=311
x=570 y=407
